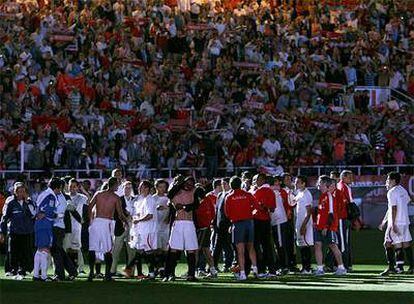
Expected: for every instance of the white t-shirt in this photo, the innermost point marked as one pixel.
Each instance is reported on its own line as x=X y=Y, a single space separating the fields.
x=162 y=215
x=303 y=199
x=279 y=215
x=399 y=197
x=144 y=206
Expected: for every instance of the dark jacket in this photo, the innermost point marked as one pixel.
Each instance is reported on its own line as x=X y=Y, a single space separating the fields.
x=119 y=225
x=221 y=220
x=20 y=217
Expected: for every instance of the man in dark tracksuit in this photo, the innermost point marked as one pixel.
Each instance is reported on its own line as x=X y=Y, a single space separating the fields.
x=19 y=213
x=290 y=231
x=222 y=225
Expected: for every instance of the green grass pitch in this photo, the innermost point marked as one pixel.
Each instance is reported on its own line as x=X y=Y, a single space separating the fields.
x=363 y=285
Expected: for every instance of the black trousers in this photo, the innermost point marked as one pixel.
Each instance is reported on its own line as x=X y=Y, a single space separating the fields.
x=263 y=246
x=60 y=257
x=290 y=244
x=223 y=243
x=21 y=253
x=279 y=237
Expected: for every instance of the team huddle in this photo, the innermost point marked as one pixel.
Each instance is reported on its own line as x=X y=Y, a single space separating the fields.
x=253 y=225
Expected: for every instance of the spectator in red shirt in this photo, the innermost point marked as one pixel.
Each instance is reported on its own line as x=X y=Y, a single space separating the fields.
x=264 y=204
x=239 y=208
x=327 y=225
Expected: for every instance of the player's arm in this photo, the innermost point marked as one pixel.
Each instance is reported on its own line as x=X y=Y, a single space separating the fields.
x=394 y=216
x=331 y=210
x=384 y=221
x=92 y=204
x=3 y=225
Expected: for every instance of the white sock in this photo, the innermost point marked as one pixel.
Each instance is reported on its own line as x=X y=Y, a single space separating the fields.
x=242 y=273
x=254 y=269
x=341 y=267
x=37 y=263
x=44 y=264
x=320 y=267
x=81 y=262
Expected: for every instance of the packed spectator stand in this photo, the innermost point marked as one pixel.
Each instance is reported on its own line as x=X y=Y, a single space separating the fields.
x=148 y=84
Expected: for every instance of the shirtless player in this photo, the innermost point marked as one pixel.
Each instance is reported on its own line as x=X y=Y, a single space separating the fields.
x=102 y=225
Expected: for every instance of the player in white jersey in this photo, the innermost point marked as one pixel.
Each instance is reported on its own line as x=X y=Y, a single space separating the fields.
x=397 y=234
x=144 y=221
x=163 y=223
x=72 y=240
x=304 y=223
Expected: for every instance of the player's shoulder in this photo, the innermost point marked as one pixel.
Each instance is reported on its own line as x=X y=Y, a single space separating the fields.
x=83 y=196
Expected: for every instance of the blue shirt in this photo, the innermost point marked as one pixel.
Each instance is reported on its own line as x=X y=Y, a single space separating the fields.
x=47 y=206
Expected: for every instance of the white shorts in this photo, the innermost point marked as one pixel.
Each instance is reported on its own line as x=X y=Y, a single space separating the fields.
x=146 y=241
x=101 y=235
x=162 y=240
x=403 y=235
x=304 y=240
x=72 y=240
x=183 y=236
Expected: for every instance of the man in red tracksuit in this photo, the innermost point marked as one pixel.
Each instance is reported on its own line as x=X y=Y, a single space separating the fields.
x=265 y=203
x=344 y=228
x=327 y=225
x=205 y=215
x=239 y=208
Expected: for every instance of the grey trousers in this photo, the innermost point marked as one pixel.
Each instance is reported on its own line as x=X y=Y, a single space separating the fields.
x=116 y=250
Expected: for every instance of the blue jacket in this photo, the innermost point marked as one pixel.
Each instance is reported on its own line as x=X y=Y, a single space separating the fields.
x=20 y=217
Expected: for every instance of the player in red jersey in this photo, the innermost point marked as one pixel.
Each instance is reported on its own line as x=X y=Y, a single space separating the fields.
x=326 y=226
x=205 y=215
x=239 y=208
x=265 y=204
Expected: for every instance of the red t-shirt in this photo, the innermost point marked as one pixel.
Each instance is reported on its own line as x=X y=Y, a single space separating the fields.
x=239 y=205
x=339 y=149
x=205 y=213
x=325 y=206
x=265 y=202
x=344 y=197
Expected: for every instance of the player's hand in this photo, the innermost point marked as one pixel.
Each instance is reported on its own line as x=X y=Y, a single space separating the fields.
x=178 y=206
x=135 y=221
x=303 y=230
x=161 y=207
x=1 y=238
x=324 y=232
x=395 y=229
x=39 y=216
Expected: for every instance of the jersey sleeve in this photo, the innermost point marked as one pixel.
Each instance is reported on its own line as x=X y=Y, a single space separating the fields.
x=392 y=198
x=308 y=199
x=331 y=203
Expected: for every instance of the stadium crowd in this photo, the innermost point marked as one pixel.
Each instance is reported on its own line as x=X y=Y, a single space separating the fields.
x=241 y=224
x=151 y=84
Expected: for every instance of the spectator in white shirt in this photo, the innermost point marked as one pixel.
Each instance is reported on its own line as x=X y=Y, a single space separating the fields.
x=271 y=146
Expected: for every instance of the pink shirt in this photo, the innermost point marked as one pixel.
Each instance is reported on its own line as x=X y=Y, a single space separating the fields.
x=399 y=157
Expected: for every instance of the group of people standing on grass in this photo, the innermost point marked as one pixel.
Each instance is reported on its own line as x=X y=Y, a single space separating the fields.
x=253 y=224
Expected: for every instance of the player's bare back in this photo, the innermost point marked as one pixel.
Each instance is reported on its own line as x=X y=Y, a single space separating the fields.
x=105 y=204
